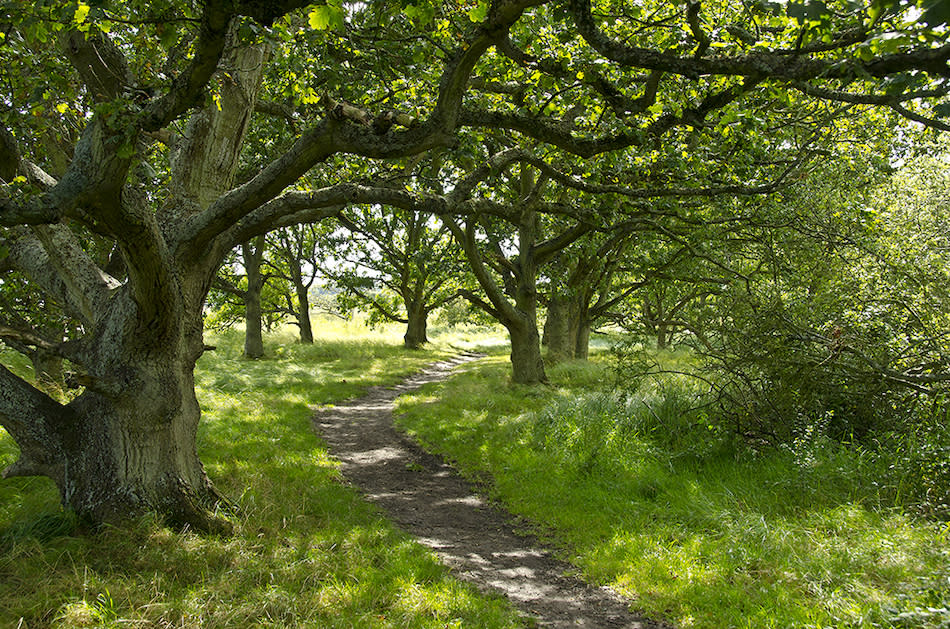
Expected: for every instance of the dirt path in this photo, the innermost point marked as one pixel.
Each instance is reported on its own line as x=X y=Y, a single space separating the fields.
x=428 y=499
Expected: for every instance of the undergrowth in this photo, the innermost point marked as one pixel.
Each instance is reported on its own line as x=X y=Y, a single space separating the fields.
x=307 y=551
x=640 y=491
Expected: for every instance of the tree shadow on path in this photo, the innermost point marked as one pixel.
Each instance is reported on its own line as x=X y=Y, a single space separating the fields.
x=428 y=499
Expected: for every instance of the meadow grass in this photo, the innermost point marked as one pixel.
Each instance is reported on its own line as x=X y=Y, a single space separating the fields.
x=307 y=551
x=638 y=493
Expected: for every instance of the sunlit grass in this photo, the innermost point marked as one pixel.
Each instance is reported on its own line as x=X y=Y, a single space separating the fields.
x=700 y=534
x=307 y=552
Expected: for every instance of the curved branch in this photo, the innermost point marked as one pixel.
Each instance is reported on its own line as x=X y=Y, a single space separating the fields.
x=893 y=101
x=100 y=63
x=29 y=337
x=189 y=86
x=55 y=261
x=295 y=207
x=36 y=422
x=500 y=308
x=759 y=65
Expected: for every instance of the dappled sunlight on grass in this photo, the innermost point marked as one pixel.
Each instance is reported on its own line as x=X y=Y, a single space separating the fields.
x=706 y=537
x=307 y=551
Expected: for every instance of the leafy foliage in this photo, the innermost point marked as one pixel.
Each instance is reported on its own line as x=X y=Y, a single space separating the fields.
x=840 y=330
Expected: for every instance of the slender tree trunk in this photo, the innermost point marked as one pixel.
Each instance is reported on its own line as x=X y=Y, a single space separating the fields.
x=303 y=314
x=582 y=338
x=253 y=318
x=417 y=316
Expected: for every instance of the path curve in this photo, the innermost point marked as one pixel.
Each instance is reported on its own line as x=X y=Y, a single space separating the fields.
x=428 y=499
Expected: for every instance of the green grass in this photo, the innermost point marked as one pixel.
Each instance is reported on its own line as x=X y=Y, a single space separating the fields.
x=640 y=494
x=307 y=552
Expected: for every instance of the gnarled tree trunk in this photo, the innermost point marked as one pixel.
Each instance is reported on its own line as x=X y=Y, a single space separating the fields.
x=126 y=445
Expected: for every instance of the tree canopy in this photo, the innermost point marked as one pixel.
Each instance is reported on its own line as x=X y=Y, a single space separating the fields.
x=142 y=141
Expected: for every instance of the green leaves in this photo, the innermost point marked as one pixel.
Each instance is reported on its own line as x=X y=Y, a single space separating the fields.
x=326 y=16
x=479 y=12
x=422 y=12
x=807 y=11
x=82 y=12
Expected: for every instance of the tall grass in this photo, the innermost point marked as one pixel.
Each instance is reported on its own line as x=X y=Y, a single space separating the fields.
x=307 y=552
x=641 y=493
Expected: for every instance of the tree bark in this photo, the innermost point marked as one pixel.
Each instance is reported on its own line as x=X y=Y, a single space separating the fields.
x=417 y=325
x=527 y=365
x=303 y=313
x=127 y=444
x=582 y=338
x=133 y=457
x=253 y=317
x=47 y=367
x=557 y=329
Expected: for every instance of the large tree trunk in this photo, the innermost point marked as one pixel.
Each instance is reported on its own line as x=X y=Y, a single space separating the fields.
x=527 y=366
x=253 y=317
x=132 y=456
x=558 y=329
x=127 y=445
x=417 y=316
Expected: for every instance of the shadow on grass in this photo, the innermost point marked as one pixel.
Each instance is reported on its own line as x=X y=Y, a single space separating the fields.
x=307 y=551
x=713 y=539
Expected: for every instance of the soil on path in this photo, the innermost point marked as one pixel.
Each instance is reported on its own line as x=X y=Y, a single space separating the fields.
x=479 y=542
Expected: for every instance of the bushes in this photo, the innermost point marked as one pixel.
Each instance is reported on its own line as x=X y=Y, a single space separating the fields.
x=773 y=392
x=914 y=466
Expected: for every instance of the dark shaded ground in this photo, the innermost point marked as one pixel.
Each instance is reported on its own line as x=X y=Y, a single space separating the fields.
x=478 y=541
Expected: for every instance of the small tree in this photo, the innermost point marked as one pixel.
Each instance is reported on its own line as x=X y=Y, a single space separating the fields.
x=297 y=263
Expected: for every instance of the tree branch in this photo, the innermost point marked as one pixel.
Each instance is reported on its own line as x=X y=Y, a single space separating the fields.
x=55 y=261
x=36 y=422
x=100 y=63
x=759 y=65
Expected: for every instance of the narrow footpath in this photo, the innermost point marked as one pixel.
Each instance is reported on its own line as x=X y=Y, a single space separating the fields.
x=429 y=500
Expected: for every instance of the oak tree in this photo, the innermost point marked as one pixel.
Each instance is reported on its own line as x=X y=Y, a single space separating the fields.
x=125 y=124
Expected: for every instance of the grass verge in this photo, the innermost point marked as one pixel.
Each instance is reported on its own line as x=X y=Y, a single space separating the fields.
x=307 y=552
x=702 y=536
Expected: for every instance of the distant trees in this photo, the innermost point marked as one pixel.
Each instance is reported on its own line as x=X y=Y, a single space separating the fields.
x=401 y=265
x=267 y=280
x=298 y=257
x=141 y=145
